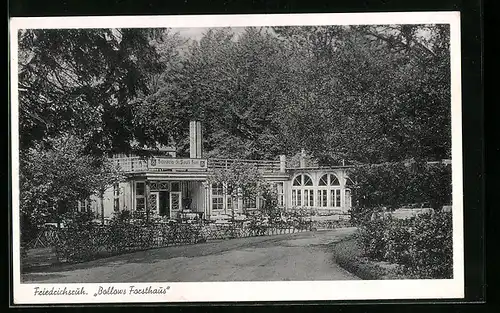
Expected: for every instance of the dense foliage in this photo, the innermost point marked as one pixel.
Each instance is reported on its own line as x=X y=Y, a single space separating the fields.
x=422 y=245
x=53 y=180
x=363 y=94
x=82 y=239
x=244 y=181
x=83 y=81
x=394 y=185
x=371 y=93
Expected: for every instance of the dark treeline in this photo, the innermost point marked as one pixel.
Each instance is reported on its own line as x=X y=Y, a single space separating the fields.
x=363 y=94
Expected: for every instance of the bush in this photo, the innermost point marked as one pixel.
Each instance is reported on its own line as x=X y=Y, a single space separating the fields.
x=432 y=247
x=77 y=240
x=422 y=246
x=394 y=185
x=122 y=234
x=372 y=238
x=83 y=240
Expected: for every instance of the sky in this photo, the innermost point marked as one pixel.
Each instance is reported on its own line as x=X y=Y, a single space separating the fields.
x=196 y=33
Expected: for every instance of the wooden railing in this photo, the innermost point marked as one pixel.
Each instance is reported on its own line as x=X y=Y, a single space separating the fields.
x=264 y=165
x=137 y=164
x=131 y=164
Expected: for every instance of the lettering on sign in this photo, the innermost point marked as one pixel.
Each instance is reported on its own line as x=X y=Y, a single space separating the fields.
x=160 y=163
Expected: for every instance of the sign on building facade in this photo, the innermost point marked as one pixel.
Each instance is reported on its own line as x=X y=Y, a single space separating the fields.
x=167 y=163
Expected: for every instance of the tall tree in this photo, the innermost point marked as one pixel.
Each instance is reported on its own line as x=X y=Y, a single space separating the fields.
x=53 y=180
x=236 y=85
x=372 y=93
x=84 y=80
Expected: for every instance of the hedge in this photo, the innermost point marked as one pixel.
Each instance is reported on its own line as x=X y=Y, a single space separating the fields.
x=82 y=240
x=421 y=245
x=394 y=185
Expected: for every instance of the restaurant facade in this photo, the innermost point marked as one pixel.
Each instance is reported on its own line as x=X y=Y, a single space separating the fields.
x=169 y=185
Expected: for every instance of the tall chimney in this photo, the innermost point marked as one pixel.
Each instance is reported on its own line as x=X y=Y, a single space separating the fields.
x=282 y=163
x=195 y=146
x=198 y=140
x=192 y=139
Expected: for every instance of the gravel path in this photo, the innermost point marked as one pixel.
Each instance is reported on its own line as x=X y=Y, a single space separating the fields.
x=301 y=256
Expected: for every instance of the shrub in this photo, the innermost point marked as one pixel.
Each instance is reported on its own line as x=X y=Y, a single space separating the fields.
x=431 y=247
x=78 y=238
x=422 y=246
x=396 y=184
x=372 y=238
x=122 y=234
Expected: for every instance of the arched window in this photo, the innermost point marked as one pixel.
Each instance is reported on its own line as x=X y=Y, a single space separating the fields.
x=328 y=193
x=302 y=191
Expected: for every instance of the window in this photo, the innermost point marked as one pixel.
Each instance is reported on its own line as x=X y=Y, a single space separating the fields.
x=163 y=186
x=176 y=186
x=140 y=188
x=347 y=198
x=153 y=185
x=225 y=199
x=116 y=197
x=217 y=203
x=308 y=197
x=217 y=190
x=329 y=191
x=84 y=206
x=323 y=181
x=302 y=196
x=322 y=198
x=140 y=202
x=250 y=203
x=280 y=194
x=217 y=197
x=335 y=197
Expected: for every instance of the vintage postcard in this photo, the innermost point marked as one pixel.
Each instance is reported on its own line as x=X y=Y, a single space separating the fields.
x=221 y=158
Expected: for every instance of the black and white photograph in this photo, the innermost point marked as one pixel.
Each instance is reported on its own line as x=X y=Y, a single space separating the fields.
x=236 y=158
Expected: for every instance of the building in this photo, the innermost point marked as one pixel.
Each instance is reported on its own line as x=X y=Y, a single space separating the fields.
x=169 y=185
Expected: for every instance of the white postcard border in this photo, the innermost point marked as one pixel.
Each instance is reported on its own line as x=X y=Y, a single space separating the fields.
x=253 y=291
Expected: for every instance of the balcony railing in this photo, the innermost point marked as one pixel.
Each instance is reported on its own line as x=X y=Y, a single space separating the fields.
x=263 y=165
x=137 y=164
x=131 y=164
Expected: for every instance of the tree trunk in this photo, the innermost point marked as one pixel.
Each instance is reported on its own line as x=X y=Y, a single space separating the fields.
x=102 y=207
x=58 y=211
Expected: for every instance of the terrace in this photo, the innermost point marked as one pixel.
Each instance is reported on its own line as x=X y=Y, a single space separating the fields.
x=158 y=164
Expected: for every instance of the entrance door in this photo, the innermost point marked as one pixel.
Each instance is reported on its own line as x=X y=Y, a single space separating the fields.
x=175 y=203
x=164 y=203
x=154 y=201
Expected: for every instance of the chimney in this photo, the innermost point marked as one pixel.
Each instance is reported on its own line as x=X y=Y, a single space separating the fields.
x=282 y=163
x=199 y=147
x=195 y=139
x=302 y=159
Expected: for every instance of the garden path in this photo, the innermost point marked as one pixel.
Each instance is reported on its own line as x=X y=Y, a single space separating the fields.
x=299 y=256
